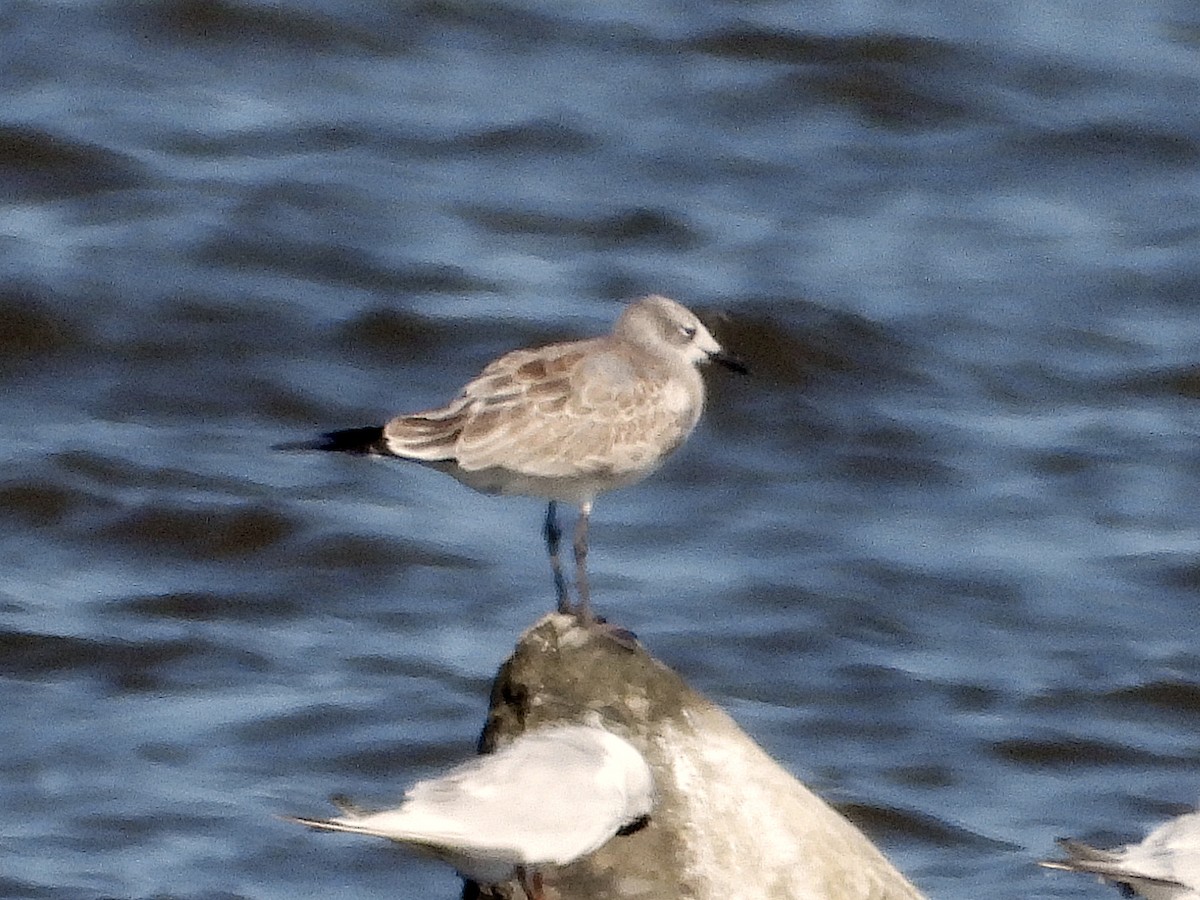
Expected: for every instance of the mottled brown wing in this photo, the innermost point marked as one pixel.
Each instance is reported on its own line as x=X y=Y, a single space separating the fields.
x=568 y=410
x=434 y=434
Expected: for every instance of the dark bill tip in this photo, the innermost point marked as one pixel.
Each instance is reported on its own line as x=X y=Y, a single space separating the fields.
x=633 y=827
x=729 y=361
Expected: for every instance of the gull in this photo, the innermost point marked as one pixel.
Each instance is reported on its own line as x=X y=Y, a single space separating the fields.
x=564 y=422
x=552 y=796
x=1164 y=866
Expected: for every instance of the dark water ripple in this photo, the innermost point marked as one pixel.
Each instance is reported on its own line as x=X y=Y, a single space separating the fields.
x=38 y=165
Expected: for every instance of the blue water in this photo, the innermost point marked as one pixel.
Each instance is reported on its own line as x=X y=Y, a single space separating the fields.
x=940 y=555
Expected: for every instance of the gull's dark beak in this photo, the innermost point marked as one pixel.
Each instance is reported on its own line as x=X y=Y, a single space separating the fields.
x=729 y=361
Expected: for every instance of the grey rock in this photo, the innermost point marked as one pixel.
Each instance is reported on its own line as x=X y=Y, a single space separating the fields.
x=729 y=821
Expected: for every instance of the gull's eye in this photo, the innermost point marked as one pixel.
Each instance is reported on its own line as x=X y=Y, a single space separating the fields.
x=688 y=331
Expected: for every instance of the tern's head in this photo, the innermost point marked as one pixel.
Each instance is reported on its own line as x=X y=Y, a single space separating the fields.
x=665 y=327
x=626 y=767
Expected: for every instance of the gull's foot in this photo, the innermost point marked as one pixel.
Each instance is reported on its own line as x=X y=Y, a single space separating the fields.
x=623 y=637
x=562 y=597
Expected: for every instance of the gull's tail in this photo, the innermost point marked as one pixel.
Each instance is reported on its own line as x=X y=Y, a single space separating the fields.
x=349 y=440
x=428 y=437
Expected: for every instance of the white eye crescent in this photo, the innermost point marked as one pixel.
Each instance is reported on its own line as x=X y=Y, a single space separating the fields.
x=688 y=331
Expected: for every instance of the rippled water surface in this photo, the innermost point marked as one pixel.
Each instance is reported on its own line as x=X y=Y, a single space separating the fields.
x=941 y=555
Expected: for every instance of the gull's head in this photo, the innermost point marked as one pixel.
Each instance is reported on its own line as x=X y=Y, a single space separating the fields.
x=665 y=327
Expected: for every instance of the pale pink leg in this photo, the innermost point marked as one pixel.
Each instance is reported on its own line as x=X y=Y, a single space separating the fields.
x=531 y=884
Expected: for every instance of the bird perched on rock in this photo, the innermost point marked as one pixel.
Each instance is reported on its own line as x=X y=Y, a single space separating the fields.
x=564 y=422
x=553 y=795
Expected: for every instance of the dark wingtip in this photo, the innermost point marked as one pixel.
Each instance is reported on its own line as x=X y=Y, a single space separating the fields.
x=349 y=440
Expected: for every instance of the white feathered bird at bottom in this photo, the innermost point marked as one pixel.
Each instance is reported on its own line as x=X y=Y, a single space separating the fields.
x=1164 y=866
x=552 y=796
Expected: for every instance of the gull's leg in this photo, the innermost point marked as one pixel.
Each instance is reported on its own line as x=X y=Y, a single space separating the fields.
x=553 y=536
x=530 y=884
x=583 y=611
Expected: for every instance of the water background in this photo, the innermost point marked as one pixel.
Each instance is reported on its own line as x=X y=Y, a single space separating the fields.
x=940 y=556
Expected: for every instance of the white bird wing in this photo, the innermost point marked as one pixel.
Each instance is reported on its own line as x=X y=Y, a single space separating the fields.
x=1119 y=872
x=1171 y=852
x=550 y=797
x=1165 y=865
x=485 y=864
